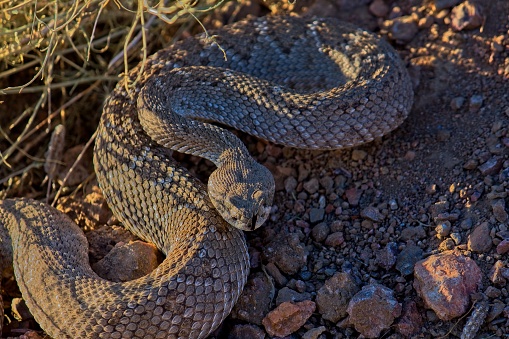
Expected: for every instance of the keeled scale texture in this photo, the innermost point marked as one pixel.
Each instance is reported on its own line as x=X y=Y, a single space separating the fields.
x=352 y=88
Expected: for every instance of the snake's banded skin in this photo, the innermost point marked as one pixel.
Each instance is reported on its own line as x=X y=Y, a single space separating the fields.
x=309 y=83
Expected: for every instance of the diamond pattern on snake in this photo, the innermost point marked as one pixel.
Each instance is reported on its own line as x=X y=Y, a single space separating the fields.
x=301 y=82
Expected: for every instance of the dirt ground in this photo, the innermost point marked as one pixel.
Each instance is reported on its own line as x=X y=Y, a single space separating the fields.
x=452 y=151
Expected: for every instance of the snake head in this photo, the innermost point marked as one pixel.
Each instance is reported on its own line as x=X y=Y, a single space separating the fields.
x=242 y=193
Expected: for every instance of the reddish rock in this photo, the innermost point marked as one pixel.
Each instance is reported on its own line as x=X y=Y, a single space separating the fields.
x=288 y=318
x=480 y=240
x=128 y=261
x=445 y=282
x=333 y=297
x=254 y=302
x=373 y=310
x=503 y=246
x=410 y=322
x=497 y=273
x=335 y=239
x=403 y=29
x=353 y=195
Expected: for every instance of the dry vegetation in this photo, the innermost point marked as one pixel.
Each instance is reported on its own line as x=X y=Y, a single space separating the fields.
x=56 y=54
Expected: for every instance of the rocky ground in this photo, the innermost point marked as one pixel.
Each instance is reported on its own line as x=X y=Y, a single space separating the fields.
x=405 y=237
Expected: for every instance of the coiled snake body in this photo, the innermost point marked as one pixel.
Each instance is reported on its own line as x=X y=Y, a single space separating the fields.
x=311 y=83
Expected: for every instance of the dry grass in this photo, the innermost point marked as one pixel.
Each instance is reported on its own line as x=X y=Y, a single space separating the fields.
x=55 y=54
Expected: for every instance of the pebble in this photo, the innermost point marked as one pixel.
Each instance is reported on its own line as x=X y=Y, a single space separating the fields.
x=358 y=154
x=335 y=239
x=254 y=302
x=373 y=214
x=290 y=184
x=470 y=164
x=373 y=310
x=492 y=166
x=496 y=274
x=353 y=196
x=466 y=16
x=316 y=215
x=445 y=282
x=386 y=257
x=403 y=29
x=288 y=295
x=499 y=212
x=320 y=232
x=246 y=331
x=314 y=333
x=407 y=259
x=275 y=273
x=410 y=322
x=457 y=102
x=311 y=186
x=328 y=184
x=413 y=233
x=503 y=246
x=475 y=102
x=129 y=261
x=443 y=229
x=288 y=318
x=480 y=240
x=287 y=252
x=333 y=297
x=379 y=8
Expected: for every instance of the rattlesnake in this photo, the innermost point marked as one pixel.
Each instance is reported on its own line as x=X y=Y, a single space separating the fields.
x=311 y=83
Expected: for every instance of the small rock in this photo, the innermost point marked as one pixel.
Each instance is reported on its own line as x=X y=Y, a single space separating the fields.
x=492 y=166
x=373 y=310
x=475 y=102
x=403 y=29
x=443 y=135
x=288 y=318
x=492 y=292
x=457 y=102
x=335 y=239
x=499 y=212
x=333 y=297
x=443 y=229
x=466 y=16
x=353 y=196
x=480 y=240
x=372 y=214
x=445 y=282
x=407 y=259
x=413 y=233
x=470 y=164
x=246 y=331
x=311 y=186
x=386 y=257
x=290 y=184
x=314 y=333
x=275 y=273
x=410 y=322
x=497 y=273
x=358 y=154
x=316 y=215
x=129 y=261
x=320 y=232
x=254 y=302
x=503 y=246
x=288 y=295
x=328 y=184
x=378 y=8
x=286 y=252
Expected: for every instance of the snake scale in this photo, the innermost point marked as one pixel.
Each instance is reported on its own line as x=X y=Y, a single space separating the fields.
x=301 y=82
